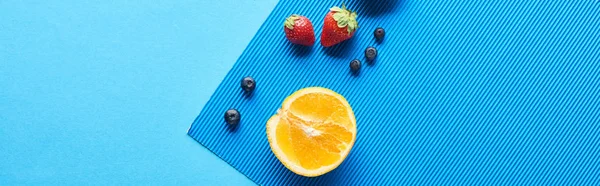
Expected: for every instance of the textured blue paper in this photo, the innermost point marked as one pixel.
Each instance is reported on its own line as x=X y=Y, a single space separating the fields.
x=463 y=92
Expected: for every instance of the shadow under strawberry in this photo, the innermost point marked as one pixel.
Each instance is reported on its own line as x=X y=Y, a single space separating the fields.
x=341 y=50
x=298 y=50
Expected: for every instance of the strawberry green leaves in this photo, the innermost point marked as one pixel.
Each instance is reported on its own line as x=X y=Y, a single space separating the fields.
x=291 y=21
x=345 y=18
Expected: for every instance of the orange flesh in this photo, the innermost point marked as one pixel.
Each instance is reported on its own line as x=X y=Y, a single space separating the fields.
x=312 y=134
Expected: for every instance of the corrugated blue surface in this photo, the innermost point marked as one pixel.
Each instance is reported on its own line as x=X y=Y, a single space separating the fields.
x=463 y=92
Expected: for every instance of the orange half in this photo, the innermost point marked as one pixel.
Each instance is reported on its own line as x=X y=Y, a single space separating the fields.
x=313 y=132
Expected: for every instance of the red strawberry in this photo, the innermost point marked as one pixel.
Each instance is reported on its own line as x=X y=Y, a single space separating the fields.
x=299 y=30
x=340 y=25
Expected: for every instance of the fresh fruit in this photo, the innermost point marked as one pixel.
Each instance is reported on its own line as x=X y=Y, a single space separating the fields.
x=232 y=117
x=248 y=84
x=355 y=65
x=313 y=131
x=340 y=25
x=299 y=30
x=371 y=53
x=379 y=33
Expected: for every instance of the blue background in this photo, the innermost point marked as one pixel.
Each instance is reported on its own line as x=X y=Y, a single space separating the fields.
x=103 y=92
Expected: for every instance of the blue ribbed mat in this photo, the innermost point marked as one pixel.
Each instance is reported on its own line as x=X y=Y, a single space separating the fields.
x=462 y=93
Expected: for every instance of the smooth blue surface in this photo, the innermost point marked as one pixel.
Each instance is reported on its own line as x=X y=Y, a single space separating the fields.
x=461 y=93
x=103 y=92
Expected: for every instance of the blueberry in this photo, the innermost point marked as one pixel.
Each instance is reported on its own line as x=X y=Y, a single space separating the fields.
x=371 y=53
x=248 y=84
x=379 y=33
x=355 y=65
x=232 y=117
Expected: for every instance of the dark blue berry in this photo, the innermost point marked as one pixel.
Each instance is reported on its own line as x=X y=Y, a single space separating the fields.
x=379 y=33
x=371 y=53
x=248 y=84
x=232 y=117
x=355 y=65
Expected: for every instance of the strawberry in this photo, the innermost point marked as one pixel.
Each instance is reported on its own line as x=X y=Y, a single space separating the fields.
x=299 y=30
x=340 y=25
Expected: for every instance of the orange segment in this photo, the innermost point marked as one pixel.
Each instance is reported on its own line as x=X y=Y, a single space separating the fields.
x=313 y=132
